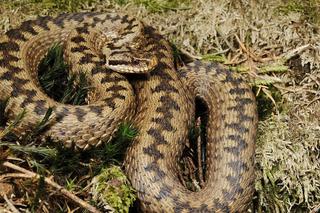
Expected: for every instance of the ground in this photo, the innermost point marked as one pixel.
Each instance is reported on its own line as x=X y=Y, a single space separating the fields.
x=274 y=44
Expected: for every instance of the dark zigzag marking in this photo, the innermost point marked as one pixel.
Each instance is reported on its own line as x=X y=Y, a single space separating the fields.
x=87 y=58
x=164 y=123
x=168 y=103
x=61 y=114
x=80 y=113
x=17 y=87
x=221 y=206
x=40 y=108
x=241 y=145
x=16 y=34
x=238 y=91
x=153 y=166
x=30 y=95
x=43 y=22
x=96 y=109
x=120 y=62
x=164 y=192
x=83 y=29
x=110 y=101
x=116 y=88
x=80 y=48
x=98 y=69
x=108 y=79
x=181 y=206
x=153 y=152
x=158 y=137
x=238 y=166
x=27 y=26
x=234 y=181
x=230 y=78
x=9 y=46
x=237 y=126
x=129 y=27
x=165 y=88
x=77 y=39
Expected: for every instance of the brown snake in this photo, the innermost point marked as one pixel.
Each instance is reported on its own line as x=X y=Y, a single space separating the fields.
x=160 y=103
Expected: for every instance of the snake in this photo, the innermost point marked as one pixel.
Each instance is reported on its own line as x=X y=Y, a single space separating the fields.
x=134 y=78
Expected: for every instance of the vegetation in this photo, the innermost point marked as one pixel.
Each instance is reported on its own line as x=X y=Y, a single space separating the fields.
x=309 y=9
x=272 y=43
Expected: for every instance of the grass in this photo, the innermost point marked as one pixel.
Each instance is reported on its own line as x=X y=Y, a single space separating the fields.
x=163 y=6
x=309 y=9
x=53 y=159
x=70 y=168
x=62 y=5
x=56 y=81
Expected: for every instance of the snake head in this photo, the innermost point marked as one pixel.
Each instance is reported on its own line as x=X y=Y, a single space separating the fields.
x=126 y=62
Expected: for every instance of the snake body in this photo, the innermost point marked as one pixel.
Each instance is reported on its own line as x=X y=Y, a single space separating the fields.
x=160 y=103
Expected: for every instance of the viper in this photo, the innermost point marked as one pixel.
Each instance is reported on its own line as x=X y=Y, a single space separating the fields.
x=159 y=100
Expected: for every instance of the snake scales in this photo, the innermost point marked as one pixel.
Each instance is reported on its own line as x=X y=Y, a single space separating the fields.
x=160 y=102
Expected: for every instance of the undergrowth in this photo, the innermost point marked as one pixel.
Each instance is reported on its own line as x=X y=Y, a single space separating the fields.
x=55 y=79
x=156 y=6
x=68 y=167
x=309 y=9
x=63 y=5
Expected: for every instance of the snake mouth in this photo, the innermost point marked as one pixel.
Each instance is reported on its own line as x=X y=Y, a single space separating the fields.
x=132 y=65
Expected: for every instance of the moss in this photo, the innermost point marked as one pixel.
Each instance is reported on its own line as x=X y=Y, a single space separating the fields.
x=309 y=9
x=287 y=178
x=163 y=6
x=214 y=57
x=111 y=187
x=62 y=5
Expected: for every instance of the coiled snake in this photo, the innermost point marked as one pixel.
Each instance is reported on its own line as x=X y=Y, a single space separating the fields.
x=160 y=103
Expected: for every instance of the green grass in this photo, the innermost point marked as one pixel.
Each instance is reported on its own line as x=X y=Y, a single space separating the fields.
x=156 y=6
x=57 y=83
x=63 y=5
x=51 y=158
x=309 y=9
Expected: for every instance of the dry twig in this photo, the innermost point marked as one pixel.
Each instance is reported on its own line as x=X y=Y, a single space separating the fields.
x=199 y=152
x=10 y=204
x=29 y=174
x=250 y=54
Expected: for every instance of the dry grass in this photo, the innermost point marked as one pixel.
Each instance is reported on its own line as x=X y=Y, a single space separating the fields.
x=258 y=38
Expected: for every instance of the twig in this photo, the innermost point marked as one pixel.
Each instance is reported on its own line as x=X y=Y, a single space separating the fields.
x=181 y=178
x=65 y=192
x=295 y=52
x=199 y=152
x=10 y=204
x=15 y=175
x=315 y=209
x=253 y=56
x=190 y=55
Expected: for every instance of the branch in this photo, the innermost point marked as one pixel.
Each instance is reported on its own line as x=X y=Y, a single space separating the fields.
x=65 y=192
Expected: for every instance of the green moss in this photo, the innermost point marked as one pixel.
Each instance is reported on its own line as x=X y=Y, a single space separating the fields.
x=62 y=5
x=214 y=57
x=309 y=9
x=111 y=187
x=265 y=104
x=121 y=2
x=287 y=167
x=163 y=6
